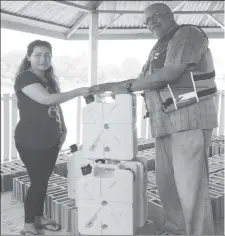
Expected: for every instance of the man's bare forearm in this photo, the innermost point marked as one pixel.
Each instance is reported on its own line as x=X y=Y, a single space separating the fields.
x=156 y=81
x=144 y=84
x=112 y=84
x=159 y=79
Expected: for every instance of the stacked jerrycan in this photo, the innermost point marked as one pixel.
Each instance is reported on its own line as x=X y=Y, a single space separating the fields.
x=108 y=184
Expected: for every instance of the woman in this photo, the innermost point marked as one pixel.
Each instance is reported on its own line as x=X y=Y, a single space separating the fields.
x=41 y=130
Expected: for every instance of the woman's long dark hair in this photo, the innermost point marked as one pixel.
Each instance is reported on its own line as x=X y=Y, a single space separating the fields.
x=49 y=73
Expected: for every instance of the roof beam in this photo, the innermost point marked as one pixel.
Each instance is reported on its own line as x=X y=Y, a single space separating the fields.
x=28 y=18
x=76 y=25
x=27 y=5
x=81 y=16
x=213 y=5
x=122 y=36
x=109 y=24
x=77 y=6
x=82 y=34
x=31 y=29
x=175 y=12
x=216 y=21
x=113 y=19
x=179 y=6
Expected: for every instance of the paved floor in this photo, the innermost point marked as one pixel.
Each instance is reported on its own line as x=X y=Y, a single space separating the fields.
x=12 y=218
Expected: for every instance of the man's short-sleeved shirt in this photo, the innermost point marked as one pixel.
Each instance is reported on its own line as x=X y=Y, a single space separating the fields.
x=39 y=126
x=188 y=46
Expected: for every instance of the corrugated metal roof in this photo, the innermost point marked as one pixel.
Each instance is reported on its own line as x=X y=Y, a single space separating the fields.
x=201 y=6
x=48 y=11
x=65 y=16
x=136 y=20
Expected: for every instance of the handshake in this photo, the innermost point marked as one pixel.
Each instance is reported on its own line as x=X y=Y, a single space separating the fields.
x=115 y=88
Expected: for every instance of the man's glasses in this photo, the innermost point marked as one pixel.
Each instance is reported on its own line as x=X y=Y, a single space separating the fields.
x=154 y=18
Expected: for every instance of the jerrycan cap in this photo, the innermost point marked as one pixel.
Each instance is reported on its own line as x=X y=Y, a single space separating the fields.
x=86 y=169
x=73 y=148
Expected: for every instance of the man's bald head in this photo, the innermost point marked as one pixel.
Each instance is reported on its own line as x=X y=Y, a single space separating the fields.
x=159 y=18
x=158 y=7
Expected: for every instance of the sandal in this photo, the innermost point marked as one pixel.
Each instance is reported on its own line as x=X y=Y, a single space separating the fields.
x=51 y=224
x=27 y=232
x=167 y=233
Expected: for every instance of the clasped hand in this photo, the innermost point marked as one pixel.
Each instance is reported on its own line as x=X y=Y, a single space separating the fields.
x=111 y=87
x=101 y=88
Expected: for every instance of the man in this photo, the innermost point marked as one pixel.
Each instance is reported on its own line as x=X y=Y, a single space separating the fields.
x=182 y=134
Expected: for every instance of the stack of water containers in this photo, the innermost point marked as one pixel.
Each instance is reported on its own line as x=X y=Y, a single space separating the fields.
x=108 y=184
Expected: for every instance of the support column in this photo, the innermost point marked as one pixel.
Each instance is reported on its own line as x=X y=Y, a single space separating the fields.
x=143 y=121
x=93 y=48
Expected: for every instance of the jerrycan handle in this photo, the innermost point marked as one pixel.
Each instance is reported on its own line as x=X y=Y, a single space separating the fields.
x=109 y=167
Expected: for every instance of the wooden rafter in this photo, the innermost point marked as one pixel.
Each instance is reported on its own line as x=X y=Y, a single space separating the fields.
x=77 y=6
x=25 y=7
x=80 y=17
x=216 y=21
x=110 y=23
x=82 y=34
x=175 y=12
x=79 y=20
x=3 y=12
x=179 y=6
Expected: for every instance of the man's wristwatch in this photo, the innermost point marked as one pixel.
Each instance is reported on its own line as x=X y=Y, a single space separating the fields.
x=128 y=87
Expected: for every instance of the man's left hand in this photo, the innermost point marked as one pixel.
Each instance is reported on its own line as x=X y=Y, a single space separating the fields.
x=116 y=88
x=101 y=88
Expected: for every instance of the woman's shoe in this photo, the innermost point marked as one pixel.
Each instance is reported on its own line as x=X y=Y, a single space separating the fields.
x=51 y=226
